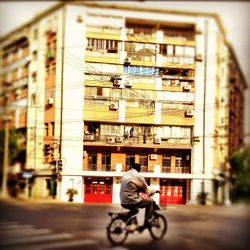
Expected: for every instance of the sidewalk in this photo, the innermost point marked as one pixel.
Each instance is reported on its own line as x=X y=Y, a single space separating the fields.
x=235 y=210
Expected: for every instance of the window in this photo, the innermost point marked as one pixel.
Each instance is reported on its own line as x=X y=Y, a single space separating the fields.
x=106 y=161
x=101 y=44
x=140 y=70
x=178 y=160
x=46 y=94
x=166 y=163
x=143 y=161
x=52 y=128
x=130 y=160
x=92 y=160
x=125 y=69
x=166 y=160
x=52 y=92
x=34 y=55
x=137 y=70
x=47 y=72
x=34 y=77
x=33 y=99
x=108 y=129
x=46 y=128
x=54 y=47
x=53 y=69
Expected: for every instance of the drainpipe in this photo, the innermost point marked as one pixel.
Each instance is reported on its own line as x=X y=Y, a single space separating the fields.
x=62 y=79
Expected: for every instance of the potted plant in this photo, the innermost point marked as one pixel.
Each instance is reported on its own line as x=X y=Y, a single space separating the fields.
x=202 y=197
x=71 y=192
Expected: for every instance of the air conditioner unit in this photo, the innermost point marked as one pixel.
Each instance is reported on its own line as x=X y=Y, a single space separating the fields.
x=198 y=58
x=189 y=112
x=111 y=139
x=127 y=60
x=50 y=101
x=119 y=139
x=117 y=82
x=113 y=106
x=187 y=87
x=130 y=31
x=153 y=156
x=89 y=48
x=157 y=140
x=128 y=83
x=90 y=137
x=196 y=139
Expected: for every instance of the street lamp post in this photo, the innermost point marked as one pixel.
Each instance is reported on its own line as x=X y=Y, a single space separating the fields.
x=6 y=120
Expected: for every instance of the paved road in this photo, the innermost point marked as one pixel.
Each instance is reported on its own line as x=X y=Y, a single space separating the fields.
x=58 y=225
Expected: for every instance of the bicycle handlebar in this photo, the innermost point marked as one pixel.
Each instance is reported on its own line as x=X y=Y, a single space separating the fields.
x=155 y=192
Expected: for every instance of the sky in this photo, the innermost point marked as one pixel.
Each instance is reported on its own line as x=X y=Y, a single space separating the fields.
x=234 y=16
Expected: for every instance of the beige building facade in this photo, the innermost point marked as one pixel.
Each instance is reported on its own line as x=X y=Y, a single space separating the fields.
x=109 y=86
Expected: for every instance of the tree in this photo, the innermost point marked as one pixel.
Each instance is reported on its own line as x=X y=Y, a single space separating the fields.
x=17 y=149
x=240 y=169
x=71 y=192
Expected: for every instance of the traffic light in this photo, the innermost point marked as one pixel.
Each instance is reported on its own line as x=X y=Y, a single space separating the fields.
x=59 y=166
x=46 y=149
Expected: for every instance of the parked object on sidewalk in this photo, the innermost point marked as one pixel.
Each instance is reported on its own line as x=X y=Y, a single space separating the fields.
x=71 y=192
x=202 y=198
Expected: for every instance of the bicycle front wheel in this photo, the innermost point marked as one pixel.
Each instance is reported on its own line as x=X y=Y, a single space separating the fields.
x=158 y=226
x=116 y=231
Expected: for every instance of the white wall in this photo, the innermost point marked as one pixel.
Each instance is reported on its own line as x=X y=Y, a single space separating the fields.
x=75 y=182
x=73 y=90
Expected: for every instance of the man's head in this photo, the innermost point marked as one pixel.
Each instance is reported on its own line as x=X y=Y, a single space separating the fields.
x=137 y=167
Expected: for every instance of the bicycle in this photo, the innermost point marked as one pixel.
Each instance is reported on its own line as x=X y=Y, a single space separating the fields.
x=119 y=228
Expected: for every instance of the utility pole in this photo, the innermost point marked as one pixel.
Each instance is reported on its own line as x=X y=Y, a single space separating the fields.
x=6 y=119
x=204 y=104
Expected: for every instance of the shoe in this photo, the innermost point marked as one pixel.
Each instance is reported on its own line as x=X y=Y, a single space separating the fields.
x=140 y=228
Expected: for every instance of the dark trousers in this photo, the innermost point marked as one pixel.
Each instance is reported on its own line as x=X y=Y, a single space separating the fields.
x=145 y=203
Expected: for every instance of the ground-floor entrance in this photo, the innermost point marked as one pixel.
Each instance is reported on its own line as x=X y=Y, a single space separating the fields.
x=98 y=189
x=172 y=191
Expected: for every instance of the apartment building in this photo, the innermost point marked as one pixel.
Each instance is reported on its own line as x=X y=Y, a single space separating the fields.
x=109 y=85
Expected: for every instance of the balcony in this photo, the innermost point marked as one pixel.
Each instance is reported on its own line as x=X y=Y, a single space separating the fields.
x=140 y=34
x=103 y=54
x=176 y=170
x=140 y=141
x=178 y=35
x=178 y=59
x=95 y=167
x=103 y=32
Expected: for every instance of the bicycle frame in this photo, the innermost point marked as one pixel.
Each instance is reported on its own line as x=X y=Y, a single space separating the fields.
x=123 y=219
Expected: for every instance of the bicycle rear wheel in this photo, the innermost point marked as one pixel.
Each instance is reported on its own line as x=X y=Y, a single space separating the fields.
x=158 y=226
x=116 y=231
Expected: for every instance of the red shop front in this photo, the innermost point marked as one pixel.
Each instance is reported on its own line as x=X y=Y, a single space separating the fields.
x=172 y=191
x=98 y=189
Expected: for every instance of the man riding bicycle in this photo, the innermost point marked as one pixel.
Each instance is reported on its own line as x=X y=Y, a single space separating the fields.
x=132 y=184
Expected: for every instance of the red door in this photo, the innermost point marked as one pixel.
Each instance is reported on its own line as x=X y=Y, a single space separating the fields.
x=98 y=190
x=172 y=191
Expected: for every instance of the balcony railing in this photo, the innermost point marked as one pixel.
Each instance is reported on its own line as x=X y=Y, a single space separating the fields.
x=103 y=30
x=95 y=167
x=178 y=35
x=148 y=140
x=176 y=170
x=145 y=169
